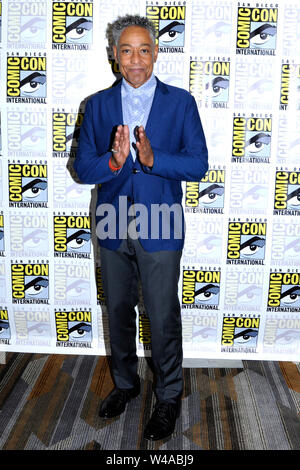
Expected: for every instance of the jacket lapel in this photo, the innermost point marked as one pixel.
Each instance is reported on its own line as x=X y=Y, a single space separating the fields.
x=157 y=108
x=115 y=104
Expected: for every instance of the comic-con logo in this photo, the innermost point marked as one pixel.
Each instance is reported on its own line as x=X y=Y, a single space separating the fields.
x=249 y=190
x=67 y=193
x=282 y=333
x=72 y=283
x=284 y=291
x=287 y=193
x=200 y=289
x=72 y=236
x=199 y=330
x=144 y=330
x=26 y=79
x=208 y=195
x=30 y=283
x=72 y=25
x=27 y=23
x=286 y=243
x=73 y=328
x=240 y=333
x=4 y=326
x=289 y=86
x=211 y=26
x=26 y=133
x=209 y=82
x=169 y=22
x=246 y=242
x=251 y=140
x=32 y=326
x=256 y=31
x=29 y=234
x=27 y=185
x=69 y=77
x=1 y=234
x=65 y=133
x=99 y=286
x=243 y=289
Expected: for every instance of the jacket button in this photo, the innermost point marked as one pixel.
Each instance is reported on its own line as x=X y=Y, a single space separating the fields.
x=135 y=171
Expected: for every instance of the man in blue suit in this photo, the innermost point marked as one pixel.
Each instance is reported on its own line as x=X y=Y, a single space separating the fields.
x=140 y=139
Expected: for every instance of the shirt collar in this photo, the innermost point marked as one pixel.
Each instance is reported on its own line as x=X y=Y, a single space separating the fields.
x=146 y=88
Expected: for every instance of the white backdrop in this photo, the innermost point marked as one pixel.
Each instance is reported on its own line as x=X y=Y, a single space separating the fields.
x=240 y=286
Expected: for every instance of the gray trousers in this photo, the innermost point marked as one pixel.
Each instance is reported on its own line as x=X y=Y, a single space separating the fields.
x=159 y=273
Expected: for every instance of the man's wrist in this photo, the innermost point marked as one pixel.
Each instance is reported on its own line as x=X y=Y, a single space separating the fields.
x=112 y=166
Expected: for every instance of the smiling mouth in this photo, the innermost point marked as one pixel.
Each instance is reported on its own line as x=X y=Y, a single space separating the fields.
x=136 y=69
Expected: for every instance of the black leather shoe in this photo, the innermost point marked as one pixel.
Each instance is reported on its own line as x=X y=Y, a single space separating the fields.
x=162 y=421
x=115 y=403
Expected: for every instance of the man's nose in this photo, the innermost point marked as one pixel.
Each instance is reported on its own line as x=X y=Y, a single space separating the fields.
x=135 y=57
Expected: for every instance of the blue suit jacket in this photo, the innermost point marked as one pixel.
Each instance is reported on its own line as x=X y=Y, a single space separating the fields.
x=180 y=154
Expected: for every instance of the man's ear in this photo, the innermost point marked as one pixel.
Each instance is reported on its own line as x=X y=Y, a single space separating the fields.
x=155 y=52
x=115 y=50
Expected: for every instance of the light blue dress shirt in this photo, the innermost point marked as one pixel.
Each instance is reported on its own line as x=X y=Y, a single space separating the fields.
x=136 y=105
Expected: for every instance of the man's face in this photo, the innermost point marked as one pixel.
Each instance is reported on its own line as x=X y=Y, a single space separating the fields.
x=136 y=55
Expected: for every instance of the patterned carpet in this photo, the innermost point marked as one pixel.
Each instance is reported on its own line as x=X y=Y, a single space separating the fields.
x=51 y=402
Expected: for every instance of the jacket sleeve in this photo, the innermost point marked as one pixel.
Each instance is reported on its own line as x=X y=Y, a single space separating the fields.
x=191 y=163
x=91 y=167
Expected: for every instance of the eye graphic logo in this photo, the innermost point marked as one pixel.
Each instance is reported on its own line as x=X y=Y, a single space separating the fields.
x=30 y=283
x=240 y=333
x=208 y=195
x=27 y=185
x=246 y=242
x=170 y=26
x=72 y=236
x=73 y=328
x=26 y=79
x=201 y=289
x=171 y=32
x=72 y=25
x=251 y=140
x=256 y=31
x=31 y=82
x=287 y=193
x=284 y=291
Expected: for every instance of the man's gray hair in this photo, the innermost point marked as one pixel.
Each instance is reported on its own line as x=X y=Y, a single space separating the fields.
x=115 y=29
